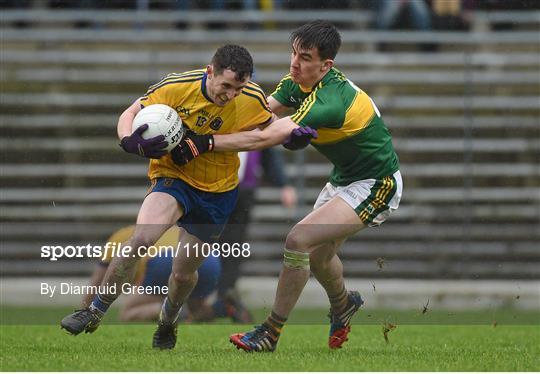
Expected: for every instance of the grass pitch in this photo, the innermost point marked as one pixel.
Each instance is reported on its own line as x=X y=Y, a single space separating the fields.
x=127 y=347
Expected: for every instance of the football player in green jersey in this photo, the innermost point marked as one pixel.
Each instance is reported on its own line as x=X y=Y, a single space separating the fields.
x=363 y=189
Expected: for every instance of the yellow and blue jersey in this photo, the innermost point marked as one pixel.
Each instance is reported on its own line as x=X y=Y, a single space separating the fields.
x=186 y=92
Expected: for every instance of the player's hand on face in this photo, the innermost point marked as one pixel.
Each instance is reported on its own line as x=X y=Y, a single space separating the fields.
x=300 y=138
x=136 y=144
x=191 y=146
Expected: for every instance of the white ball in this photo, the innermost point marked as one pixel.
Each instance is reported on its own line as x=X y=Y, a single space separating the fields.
x=161 y=120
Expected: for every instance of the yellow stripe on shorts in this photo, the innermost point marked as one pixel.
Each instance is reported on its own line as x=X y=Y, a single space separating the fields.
x=377 y=201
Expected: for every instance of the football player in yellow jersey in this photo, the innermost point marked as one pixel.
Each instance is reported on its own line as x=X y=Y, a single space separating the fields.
x=153 y=271
x=199 y=196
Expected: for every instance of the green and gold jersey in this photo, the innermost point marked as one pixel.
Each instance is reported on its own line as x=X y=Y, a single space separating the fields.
x=186 y=92
x=352 y=134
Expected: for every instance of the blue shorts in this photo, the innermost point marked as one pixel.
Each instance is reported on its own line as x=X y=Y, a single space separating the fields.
x=205 y=213
x=159 y=268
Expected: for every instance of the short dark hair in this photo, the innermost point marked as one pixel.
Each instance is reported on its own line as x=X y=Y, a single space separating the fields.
x=318 y=34
x=233 y=57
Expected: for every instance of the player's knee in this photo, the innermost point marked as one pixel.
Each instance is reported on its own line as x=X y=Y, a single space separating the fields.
x=184 y=278
x=297 y=242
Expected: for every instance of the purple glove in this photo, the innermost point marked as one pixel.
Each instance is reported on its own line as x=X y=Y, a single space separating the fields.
x=136 y=144
x=300 y=138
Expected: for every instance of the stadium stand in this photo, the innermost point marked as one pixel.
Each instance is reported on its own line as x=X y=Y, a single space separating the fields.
x=465 y=122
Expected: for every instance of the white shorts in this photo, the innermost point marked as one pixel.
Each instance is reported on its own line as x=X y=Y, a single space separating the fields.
x=372 y=199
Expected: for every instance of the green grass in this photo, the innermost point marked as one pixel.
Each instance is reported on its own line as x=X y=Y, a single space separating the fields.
x=411 y=347
x=10 y=315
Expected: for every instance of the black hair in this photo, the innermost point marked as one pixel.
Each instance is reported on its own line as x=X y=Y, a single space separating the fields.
x=233 y=57
x=318 y=34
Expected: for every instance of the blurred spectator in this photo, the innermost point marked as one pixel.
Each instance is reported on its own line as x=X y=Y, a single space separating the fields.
x=217 y=5
x=508 y=4
x=316 y=4
x=270 y=162
x=388 y=12
x=400 y=14
x=15 y=4
x=451 y=14
x=227 y=4
x=502 y=5
x=93 y=4
x=320 y=4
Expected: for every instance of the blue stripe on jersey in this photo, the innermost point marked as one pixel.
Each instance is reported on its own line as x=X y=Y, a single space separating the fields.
x=180 y=80
x=203 y=88
x=263 y=104
x=176 y=76
x=255 y=89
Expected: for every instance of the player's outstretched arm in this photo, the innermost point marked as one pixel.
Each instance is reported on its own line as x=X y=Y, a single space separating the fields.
x=283 y=131
x=276 y=133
